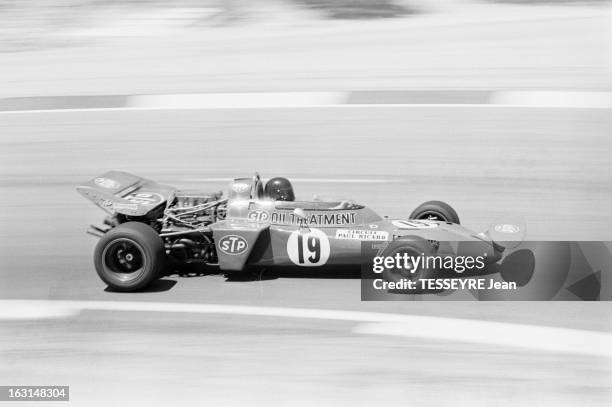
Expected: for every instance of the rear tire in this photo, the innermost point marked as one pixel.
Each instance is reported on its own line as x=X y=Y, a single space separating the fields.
x=435 y=210
x=130 y=256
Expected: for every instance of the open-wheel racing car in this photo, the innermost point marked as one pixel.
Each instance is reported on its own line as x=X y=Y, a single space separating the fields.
x=151 y=227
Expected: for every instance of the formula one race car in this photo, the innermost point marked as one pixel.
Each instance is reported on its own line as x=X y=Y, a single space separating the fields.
x=151 y=227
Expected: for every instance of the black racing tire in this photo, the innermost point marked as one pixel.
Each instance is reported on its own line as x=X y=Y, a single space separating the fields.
x=413 y=246
x=130 y=256
x=435 y=210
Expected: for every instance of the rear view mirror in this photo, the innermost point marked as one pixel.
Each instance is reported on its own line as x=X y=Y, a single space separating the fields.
x=509 y=233
x=300 y=214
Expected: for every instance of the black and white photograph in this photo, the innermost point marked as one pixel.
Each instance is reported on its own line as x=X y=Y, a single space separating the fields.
x=283 y=203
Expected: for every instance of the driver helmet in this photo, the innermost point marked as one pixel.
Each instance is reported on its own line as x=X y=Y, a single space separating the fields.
x=279 y=189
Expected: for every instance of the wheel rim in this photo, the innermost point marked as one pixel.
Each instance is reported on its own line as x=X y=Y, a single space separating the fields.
x=432 y=215
x=124 y=259
x=406 y=270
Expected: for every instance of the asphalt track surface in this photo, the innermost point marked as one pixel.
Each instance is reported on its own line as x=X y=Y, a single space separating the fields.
x=548 y=166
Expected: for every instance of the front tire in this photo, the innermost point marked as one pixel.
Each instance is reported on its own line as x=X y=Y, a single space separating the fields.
x=413 y=247
x=130 y=257
x=435 y=210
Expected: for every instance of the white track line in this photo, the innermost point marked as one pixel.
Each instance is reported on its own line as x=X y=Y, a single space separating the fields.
x=496 y=333
x=410 y=326
x=23 y=309
x=551 y=99
x=329 y=106
x=293 y=100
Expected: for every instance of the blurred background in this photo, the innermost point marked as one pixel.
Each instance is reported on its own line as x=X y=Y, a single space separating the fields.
x=497 y=107
x=185 y=46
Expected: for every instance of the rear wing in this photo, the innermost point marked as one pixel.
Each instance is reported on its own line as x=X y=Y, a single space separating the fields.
x=125 y=193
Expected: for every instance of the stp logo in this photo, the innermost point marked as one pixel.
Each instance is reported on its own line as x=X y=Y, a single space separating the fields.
x=240 y=187
x=233 y=244
x=107 y=183
x=259 y=215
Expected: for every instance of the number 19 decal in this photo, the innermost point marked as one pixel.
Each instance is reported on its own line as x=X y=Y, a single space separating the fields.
x=308 y=248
